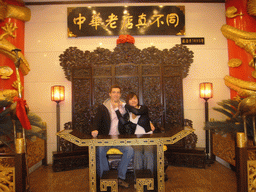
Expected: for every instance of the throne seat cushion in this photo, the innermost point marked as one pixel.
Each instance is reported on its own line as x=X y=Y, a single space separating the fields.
x=114 y=151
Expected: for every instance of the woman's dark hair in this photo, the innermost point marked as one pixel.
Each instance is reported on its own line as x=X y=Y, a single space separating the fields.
x=130 y=96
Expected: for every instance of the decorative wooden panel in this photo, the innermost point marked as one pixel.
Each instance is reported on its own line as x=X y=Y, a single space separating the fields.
x=155 y=75
x=100 y=89
x=81 y=98
x=173 y=96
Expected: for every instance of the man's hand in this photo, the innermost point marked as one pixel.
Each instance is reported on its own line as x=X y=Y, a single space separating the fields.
x=94 y=133
x=152 y=127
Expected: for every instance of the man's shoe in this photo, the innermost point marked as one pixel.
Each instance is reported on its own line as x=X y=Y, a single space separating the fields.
x=123 y=183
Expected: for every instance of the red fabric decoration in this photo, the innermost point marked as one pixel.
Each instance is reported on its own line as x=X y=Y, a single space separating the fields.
x=125 y=39
x=21 y=113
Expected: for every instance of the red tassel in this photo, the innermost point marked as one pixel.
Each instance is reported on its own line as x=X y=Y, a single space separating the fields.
x=21 y=113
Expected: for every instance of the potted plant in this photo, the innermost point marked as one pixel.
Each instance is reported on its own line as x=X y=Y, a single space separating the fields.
x=224 y=132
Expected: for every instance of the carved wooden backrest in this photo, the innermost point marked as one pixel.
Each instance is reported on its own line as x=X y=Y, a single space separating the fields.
x=156 y=76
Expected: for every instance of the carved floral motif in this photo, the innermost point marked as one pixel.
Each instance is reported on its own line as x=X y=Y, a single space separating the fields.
x=179 y=55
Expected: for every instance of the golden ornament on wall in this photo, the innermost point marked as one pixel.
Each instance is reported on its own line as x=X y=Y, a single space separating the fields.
x=251 y=7
x=13 y=11
x=234 y=62
x=5 y=72
x=245 y=40
x=17 y=12
x=243 y=88
x=16 y=84
x=6 y=47
x=254 y=74
x=3 y=10
x=231 y=12
x=70 y=34
x=8 y=94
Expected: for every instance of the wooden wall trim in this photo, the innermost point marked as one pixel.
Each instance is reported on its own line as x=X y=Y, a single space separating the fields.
x=121 y=1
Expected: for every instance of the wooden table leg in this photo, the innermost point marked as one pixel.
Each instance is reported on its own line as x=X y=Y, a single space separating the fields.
x=160 y=166
x=92 y=169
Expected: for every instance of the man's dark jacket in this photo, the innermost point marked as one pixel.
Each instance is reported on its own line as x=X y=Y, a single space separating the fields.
x=102 y=121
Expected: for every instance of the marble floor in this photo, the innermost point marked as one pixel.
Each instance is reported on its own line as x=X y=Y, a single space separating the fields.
x=214 y=178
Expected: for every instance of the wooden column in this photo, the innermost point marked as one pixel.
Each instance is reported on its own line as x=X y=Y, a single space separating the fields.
x=20 y=165
x=20 y=173
x=241 y=163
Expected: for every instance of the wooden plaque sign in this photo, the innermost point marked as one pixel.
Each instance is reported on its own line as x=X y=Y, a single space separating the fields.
x=134 y=20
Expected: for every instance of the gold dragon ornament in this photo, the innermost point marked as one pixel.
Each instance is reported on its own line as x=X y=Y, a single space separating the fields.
x=231 y=12
x=6 y=48
x=247 y=41
x=17 y=12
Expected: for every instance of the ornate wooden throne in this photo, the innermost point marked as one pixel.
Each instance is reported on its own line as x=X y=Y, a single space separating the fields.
x=155 y=75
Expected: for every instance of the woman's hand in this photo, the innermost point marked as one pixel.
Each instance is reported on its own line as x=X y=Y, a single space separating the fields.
x=121 y=105
x=115 y=104
x=118 y=105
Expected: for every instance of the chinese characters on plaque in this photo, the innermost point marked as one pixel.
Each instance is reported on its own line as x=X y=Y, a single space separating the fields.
x=134 y=20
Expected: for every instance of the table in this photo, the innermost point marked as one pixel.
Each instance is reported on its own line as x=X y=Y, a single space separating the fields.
x=158 y=139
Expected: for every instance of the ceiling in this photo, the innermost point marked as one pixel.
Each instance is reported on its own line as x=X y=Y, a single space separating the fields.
x=48 y=2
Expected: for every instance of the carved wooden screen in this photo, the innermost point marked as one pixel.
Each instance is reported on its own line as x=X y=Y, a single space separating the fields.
x=156 y=76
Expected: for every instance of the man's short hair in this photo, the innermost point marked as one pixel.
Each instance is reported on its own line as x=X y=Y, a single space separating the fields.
x=114 y=86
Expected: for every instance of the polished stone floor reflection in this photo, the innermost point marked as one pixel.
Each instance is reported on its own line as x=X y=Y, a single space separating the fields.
x=214 y=178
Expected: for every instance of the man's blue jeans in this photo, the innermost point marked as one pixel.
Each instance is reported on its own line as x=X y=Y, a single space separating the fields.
x=102 y=161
